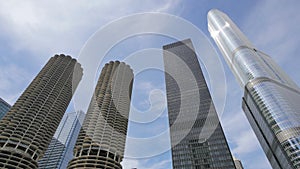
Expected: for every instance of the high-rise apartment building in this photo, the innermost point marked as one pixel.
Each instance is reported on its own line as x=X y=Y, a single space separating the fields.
x=60 y=150
x=197 y=138
x=101 y=141
x=4 y=108
x=27 y=129
x=271 y=98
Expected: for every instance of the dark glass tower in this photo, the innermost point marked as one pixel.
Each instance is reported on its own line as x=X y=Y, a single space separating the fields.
x=60 y=150
x=101 y=140
x=27 y=129
x=197 y=138
x=271 y=98
x=4 y=108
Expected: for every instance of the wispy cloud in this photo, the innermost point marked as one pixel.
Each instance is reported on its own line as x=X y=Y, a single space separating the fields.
x=45 y=28
x=42 y=29
x=63 y=26
x=273 y=27
x=12 y=76
x=144 y=164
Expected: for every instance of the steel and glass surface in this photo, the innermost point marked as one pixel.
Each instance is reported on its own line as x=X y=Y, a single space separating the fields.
x=191 y=112
x=271 y=99
x=60 y=150
x=4 y=108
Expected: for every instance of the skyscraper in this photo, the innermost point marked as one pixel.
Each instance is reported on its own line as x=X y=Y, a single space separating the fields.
x=192 y=112
x=60 y=150
x=27 y=129
x=101 y=140
x=271 y=98
x=238 y=163
x=4 y=107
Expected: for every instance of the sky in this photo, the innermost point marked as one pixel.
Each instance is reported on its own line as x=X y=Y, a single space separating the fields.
x=33 y=31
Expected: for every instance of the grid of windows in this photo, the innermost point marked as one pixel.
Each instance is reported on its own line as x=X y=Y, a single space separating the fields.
x=190 y=152
x=60 y=150
x=4 y=108
x=271 y=100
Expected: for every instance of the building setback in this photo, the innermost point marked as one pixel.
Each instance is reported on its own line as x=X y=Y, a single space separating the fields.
x=101 y=140
x=271 y=98
x=4 y=108
x=26 y=130
x=189 y=108
x=60 y=150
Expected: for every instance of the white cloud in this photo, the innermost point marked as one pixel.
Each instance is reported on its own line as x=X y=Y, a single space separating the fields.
x=161 y=164
x=134 y=163
x=156 y=96
x=131 y=163
x=45 y=28
x=240 y=133
x=273 y=28
x=41 y=29
x=246 y=143
x=55 y=26
x=12 y=76
x=145 y=87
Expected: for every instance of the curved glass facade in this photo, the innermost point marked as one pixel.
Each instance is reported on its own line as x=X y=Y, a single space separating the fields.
x=271 y=97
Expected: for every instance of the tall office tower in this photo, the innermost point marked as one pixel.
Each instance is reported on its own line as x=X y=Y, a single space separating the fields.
x=101 y=140
x=60 y=150
x=26 y=130
x=238 y=163
x=192 y=113
x=4 y=108
x=271 y=98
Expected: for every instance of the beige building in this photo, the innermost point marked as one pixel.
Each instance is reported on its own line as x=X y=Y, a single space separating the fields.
x=101 y=141
x=27 y=129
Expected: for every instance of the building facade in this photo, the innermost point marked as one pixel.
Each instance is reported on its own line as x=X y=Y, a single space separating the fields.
x=101 y=141
x=26 y=130
x=60 y=150
x=238 y=164
x=4 y=108
x=271 y=98
x=197 y=138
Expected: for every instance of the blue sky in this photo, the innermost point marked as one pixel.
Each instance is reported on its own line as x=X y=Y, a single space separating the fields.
x=33 y=31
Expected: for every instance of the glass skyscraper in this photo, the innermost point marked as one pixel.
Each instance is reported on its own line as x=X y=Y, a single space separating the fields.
x=197 y=138
x=101 y=141
x=4 y=108
x=60 y=150
x=28 y=127
x=271 y=98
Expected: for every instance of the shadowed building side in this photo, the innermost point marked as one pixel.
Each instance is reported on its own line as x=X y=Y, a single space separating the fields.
x=27 y=129
x=4 y=108
x=60 y=150
x=197 y=138
x=101 y=141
